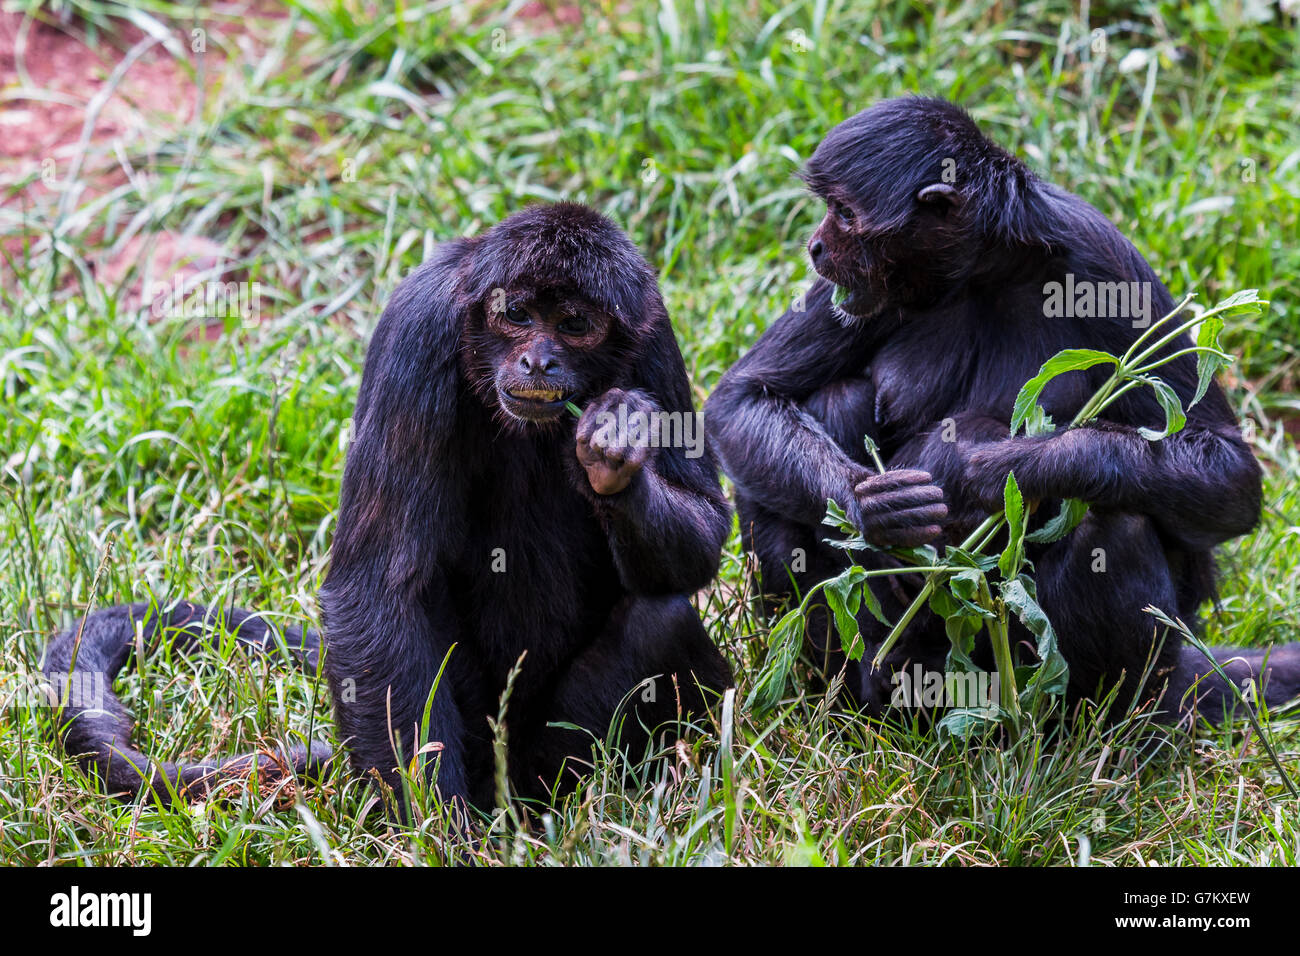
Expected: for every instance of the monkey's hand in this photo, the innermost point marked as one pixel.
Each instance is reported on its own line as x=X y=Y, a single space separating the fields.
x=614 y=438
x=901 y=508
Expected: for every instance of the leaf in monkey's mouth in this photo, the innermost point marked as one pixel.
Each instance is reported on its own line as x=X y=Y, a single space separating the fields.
x=839 y=295
x=537 y=394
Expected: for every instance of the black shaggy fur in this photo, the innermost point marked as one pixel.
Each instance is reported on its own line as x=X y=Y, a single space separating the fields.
x=438 y=478
x=442 y=484
x=945 y=243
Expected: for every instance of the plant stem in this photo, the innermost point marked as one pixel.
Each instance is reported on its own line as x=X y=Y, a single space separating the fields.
x=999 y=632
x=991 y=524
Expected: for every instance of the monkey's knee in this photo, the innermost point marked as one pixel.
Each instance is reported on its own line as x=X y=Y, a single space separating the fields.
x=1095 y=586
x=683 y=651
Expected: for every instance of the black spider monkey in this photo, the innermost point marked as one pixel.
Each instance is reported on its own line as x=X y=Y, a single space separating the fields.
x=944 y=248
x=479 y=520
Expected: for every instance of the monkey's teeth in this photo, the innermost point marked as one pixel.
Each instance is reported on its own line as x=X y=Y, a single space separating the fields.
x=538 y=394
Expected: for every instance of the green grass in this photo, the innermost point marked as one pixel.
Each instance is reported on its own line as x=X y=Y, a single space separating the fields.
x=135 y=453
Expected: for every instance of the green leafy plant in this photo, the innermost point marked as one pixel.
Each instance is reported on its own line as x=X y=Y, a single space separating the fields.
x=961 y=586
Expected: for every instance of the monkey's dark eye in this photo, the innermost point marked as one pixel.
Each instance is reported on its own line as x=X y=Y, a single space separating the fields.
x=516 y=315
x=574 y=325
x=843 y=213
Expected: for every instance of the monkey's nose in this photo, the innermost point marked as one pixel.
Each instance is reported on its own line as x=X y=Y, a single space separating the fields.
x=540 y=363
x=815 y=250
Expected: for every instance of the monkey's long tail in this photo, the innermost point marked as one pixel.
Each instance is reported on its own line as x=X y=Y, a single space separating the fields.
x=1275 y=672
x=82 y=662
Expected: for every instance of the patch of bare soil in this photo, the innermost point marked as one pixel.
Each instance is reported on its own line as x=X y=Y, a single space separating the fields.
x=54 y=83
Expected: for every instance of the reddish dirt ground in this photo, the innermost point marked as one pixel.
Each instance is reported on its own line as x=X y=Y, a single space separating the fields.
x=50 y=76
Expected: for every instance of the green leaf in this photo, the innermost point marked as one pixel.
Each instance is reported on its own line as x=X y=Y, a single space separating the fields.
x=962 y=723
x=845 y=594
x=962 y=621
x=1013 y=556
x=784 y=644
x=1175 y=417
x=835 y=515
x=1245 y=302
x=843 y=597
x=1207 y=363
x=1067 y=360
x=960 y=557
x=1039 y=422
x=966 y=585
x=1066 y=520
x=1052 y=673
x=924 y=555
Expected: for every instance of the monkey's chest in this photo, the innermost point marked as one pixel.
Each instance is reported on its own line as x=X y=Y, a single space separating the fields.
x=933 y=370
x=536 y=575
x=915 y=386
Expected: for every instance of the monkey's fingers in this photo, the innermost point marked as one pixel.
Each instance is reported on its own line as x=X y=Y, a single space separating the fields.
x=587 y=425
x=911 y=496
x=596 y=450
x=908 y=527
x=635 y=455
x=613 y=455
x=893 y=481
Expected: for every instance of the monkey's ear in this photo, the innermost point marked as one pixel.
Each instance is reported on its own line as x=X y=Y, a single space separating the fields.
x=937 y=193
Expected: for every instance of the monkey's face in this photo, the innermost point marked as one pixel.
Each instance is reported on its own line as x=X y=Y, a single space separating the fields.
x=841 y=252
x=912 y=262
x=540 y=349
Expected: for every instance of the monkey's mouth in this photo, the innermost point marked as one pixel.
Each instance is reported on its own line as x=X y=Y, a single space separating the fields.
x=848 y=300
x=532 y=404
x=854 y=303
x=536 y=394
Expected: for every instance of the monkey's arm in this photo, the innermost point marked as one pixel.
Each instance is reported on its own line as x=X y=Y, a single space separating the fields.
x=666 y=537
x=387 y=615
x=1201 y=485
x=777 y=452
x=667 y=522
x=385 y=650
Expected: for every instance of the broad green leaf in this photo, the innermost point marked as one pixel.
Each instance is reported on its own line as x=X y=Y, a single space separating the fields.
x=1175 y=417
x=1245 y=302
x=966 y=584
x=784 y=645
x=960 y=557
x=924 y=555
x=1207 y=363
x=962 y=723
x=844 y=597
x=1052 y=673
x=1066 y=520
x=835 y=516
x=1067 y=360
x=962 y=621
x=1013 y=556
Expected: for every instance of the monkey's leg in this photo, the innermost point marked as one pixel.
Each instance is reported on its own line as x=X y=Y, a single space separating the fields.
x=652 y=663
x=1094 y=584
